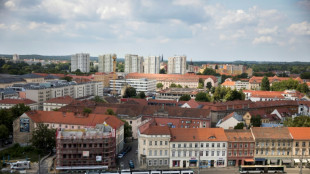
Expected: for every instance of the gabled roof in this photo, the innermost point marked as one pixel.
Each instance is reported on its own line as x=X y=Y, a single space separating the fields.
x=271 y=133
x=17 y=101
x=192 y=103
x=228 y=83
x=300 y=133
x=11 y=80
x=234 y=115
x=61 y=100
x=201 y=134
x=71 y=118
x=239 y=135
x=157 y=130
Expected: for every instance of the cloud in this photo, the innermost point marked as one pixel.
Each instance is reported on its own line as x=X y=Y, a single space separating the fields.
x=233 y=36
x=267 y=30
x=302 y=28
x=262 y=39
x=3 y=26
x=9 y=4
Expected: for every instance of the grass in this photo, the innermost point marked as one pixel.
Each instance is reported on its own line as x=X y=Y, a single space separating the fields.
x=17 y=152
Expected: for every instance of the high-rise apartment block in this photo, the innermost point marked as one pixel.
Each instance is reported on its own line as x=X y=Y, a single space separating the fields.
x=152 y=65
x=133 y=63
x=80 y=61
x=177 y=65
x=106 y=63
x=15 y=57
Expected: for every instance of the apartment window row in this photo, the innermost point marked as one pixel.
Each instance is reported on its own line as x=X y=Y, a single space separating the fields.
x=84 y=145
x=240 y=145
x=303 y=144
x=191 y=145
x=273 y=144
x=272 y=152
x=240 y=153
x=156 y=162
x=158 y=152
x=196 y=153
x=302 y=151
x=156 y=143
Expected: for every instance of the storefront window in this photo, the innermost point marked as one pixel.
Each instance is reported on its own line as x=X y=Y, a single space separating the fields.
x=220 y=162
x=176 y=163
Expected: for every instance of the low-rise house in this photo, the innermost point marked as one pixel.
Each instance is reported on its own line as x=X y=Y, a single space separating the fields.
x=176 y=93
x=8 y=103
x=204 y=147
x=282 y=113
x=190 y=104
x=32 y=78
x=7 y=93
x=301 y=144
x=240 y=147
x=56 y=103
x=230 y=121
x=273 y=145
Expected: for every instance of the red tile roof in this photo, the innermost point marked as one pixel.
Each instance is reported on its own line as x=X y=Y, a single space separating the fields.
x=17 y=101
x=61 y=100
x=271 y=133
x=265 y=94
x=239 y=135
x=255 y=79
x=192 y=103
x=300 y=133
x=228 y=83
x=228 y=116
x=71 y=118
x=157 y=130
x=201 y=134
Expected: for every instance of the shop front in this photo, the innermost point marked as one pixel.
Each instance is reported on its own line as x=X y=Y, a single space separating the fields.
x=192 y=163
x=249 y=161
x=220 y=162
x=260 y=161
x=176 y=163
x=231 y=162
x=204 y=164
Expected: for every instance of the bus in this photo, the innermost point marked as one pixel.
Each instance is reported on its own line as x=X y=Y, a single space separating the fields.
x=261 y=169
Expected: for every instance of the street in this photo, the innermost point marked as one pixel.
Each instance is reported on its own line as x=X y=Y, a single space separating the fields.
x=234 y=170
x=131 y=155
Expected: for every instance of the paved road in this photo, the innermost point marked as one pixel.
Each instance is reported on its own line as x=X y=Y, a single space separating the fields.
x=232 y=170
x=132 y=155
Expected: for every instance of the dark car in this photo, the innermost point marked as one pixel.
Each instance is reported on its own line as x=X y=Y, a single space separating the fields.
x=131 y=164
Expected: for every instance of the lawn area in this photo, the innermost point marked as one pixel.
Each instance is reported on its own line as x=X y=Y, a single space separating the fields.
x=17 y=152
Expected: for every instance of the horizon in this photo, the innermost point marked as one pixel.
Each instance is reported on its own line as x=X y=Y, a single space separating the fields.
x=202 y=30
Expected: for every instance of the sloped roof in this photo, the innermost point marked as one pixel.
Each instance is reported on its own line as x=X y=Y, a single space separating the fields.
x=234 y=115
x=239 y=135
x=61 y=100
x=17 y=101
x=30 y=76
x=157 y=130
x=71 y=118
x=192 y=103
x=300 y=133
x=271 y=133
x=201 y=134
x=228 y=83
x=11 y=80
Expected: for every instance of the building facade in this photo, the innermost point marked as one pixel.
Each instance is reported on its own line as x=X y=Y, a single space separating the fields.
x=141 y=85
x=133 y=63
x=80 y=61
x=152 y=65
x=177 y=65
x=301 y=145
x=106 y=63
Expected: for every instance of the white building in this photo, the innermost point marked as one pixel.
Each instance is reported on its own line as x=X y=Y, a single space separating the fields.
x=106 y=63
x=133 y=63
x=177 y=65
x=15 y=57
x=230 y=121
x=9 y=103
x=141 y=85
x=152 y=65
x=193 y=146
x=80 y=61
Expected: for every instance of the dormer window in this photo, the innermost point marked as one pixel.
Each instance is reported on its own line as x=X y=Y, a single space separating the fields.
x=212 y=137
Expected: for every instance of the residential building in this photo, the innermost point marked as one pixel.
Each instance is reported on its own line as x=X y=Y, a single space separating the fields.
x=104 y=78
x=301 y=144
x=6 y=93
x=153 y=146
x=236 y=84
x=56 y=103
x=272 y=95
x=15 y=57
x=85 y=148
x=133 y=63
x=152 y=65
x=26 y=123
x=141 y=85
x=230 y=121
x=273 y=145
x=80 y=61
x=255 y=82
x=177 y=65
x=241 y=147
x=106 y=63
x=191 y=147
x=176 y=93
x=9 y=103
x=7 y=82
x=32 y=78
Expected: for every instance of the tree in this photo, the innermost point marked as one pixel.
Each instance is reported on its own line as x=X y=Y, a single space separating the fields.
x=305 y=75
x=98 y=99
x=202 y=97
x=87 y=111
x=110 y=112
x=162 y=71
x=173 y=85
x=4 y=132
x=265 y=84
x=209 y=85
x=43 y=138
x=142 y=95
x=179 y=86
x=130 y=92
x=299 y=121
x=209 y=71
x=68 y=78
x=185 y=97
x=19 y=109
x=186 y=86
x=159 y=85
x=127 y=130
x=303 y=88
x=234 y=95
x=256 y=121
x=239 y=126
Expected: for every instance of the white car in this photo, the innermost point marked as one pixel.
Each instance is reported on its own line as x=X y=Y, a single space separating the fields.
x=120 y=156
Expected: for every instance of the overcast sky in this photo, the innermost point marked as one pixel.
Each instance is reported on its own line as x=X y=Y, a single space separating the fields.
x=206 y=30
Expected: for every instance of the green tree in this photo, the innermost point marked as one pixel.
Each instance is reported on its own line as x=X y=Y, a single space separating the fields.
x=209 y=71
x=234 y=95
x=209 y=85
x=202 y=97
x=19 y=109
x=185 y=97
x=162 y=71
x=239 y=126
x=120 y=67
x=256 y=121
x=179 y=86
x=68 y=78
x=130 y=92
x=127 y=130
x=305 y=75
x=87 y=111
x=4 y=132
x=186 y=86
x=43 y=138
x=173 y=85
x=110 y=112
x=98 y=99
x=159 y=85
x=303 y=88
x=265 y=84
x=300 y=121
x=142 y=95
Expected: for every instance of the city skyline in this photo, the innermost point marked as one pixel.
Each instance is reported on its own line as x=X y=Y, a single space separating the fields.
x=201 y=30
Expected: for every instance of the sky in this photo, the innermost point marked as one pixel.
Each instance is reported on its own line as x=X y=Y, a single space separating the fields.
x=203 y=30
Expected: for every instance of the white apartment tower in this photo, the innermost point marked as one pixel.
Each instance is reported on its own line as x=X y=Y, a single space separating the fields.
x=133 y=63
x=106 y=63
x=15 y=57
x=152 y=65
x=177 y=65
x=80 y=61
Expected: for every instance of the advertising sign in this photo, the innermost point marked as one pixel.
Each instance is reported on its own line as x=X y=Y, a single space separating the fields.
x=85 y=153
x=98 y=158
x=24 y=124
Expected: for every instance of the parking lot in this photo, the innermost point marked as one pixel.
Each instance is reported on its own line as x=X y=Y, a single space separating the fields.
x=131 y=155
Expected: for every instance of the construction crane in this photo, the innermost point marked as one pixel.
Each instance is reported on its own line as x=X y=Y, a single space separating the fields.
x=114 y=75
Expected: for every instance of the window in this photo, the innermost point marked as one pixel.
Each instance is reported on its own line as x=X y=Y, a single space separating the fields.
x=289 y=144
x=262 y=144
x=245 y=153
x=223 y=153
x=173 y=145
x=150 y=152
x=179 y=145
x=235 y=145
x=297 y=144
x=267 y=144
x=272 y=143
x=251 y=153
x=272 y=152
x=166 y=152
x=279 y=143
x=266 y=152
x=179 y=153
x=64 y=145
x=283 y=152
x=256 y=152
x=190 y=144
x=143 y=151
x=288 y=153
x=161 y=143
x=261 y=151
x=190 y=153
x=278 y=152
x=173 y=154
x=130 y=122
x=207 y=153
x=240 y=153
x=212 y=153
x=150 y=162
x=240 y=145
x=207 y=144
x=252 y=145
x=212 y=144
x=166 y=143
x=303 y=144
x=144 y=141
x=257 y=144
x=160 y=162
x=229 y=145
x=160 y=152
x=184 y=145
x=235 y=153
x=196 y=144
x=224 y=145
x=218 y=153
x=201 y=144
x=283 y=144
x=246 y=145
x=218 y=145
x=155 y=143
x=150 y=143
x=229 y=153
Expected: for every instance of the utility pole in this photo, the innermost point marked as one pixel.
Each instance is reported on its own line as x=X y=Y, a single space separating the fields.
x=39 y=164
x=301 y=160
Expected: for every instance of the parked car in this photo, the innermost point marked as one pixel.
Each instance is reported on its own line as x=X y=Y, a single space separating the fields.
x=120 y=156
x=131 y=164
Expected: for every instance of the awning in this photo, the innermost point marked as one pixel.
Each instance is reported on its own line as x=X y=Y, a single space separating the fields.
x=304 y=161
x=273 y=161
x=287 y=161
x=296 y=160
x=192 y=161
x=308 y=160
x=249 y=160
x=260 y=159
